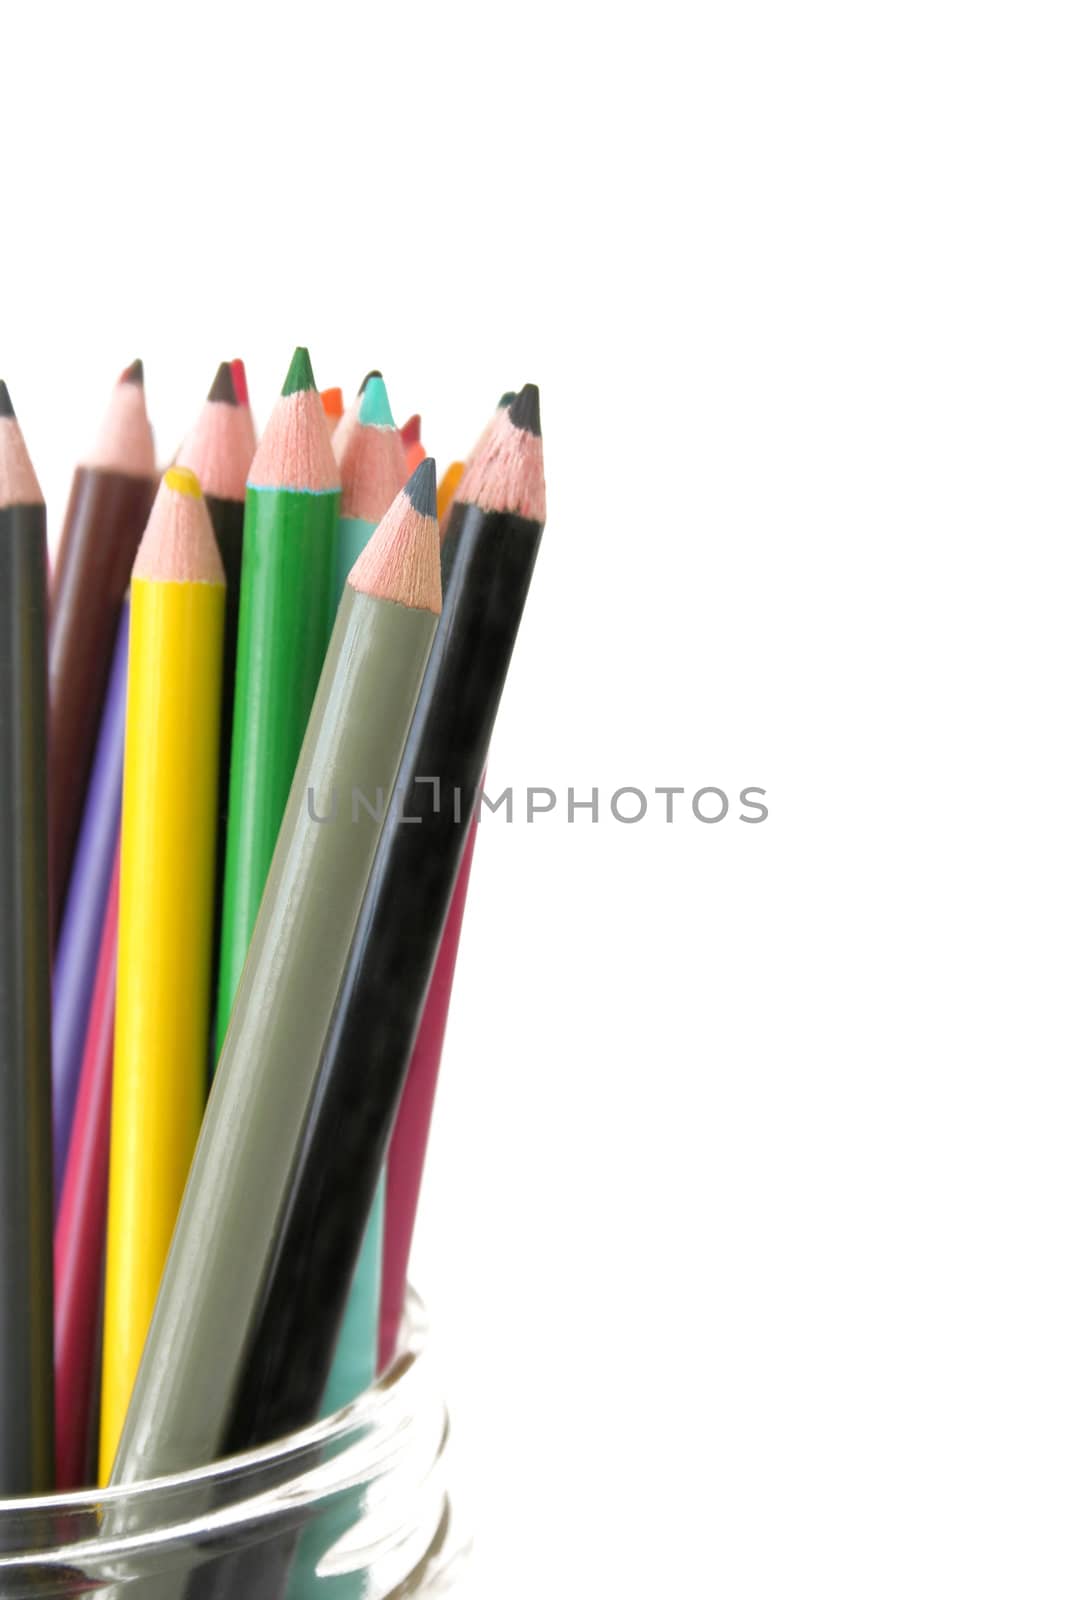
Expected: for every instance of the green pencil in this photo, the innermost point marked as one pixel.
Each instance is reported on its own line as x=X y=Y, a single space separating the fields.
x=283 y=629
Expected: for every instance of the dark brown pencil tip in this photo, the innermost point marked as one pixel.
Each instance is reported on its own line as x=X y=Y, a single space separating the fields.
x=525 y=410
x=373 y=373
x=222 y=388
x=421 y=488
x=6 y=408
x=134 y=373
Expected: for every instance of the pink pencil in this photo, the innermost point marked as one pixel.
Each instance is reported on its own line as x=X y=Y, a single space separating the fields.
x=80 y=1229
x=411 y=1131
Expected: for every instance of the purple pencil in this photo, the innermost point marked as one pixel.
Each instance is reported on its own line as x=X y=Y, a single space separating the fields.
x=86 y=905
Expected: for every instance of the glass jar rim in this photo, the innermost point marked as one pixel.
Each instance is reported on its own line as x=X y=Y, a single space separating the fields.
x=388 y=1441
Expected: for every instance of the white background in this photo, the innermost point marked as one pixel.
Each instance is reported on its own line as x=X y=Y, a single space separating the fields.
x=745 y=1221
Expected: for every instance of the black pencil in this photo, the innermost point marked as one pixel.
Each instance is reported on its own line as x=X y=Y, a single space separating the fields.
x=26 y=1426
x=220 y=450
x=489 y=558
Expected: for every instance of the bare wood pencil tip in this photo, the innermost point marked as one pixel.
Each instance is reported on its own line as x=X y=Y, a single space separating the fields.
x=402 y=562
x=178 y=545
x=18 y=481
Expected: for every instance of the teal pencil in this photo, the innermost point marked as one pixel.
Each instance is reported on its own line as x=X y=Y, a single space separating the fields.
x=373 y=469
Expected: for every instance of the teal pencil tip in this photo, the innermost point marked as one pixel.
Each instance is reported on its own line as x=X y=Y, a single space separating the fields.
x=300 y=376
x=374 y=406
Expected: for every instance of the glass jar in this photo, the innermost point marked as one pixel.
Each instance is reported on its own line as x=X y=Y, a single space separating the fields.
x=355 y=1506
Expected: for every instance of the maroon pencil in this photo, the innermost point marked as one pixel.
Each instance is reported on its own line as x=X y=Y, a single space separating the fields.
x=110 y=499
x=411 y=1131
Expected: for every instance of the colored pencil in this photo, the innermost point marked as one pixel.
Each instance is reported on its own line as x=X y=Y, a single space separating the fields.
x=411 y=1131
x=82 y=1221
x=446 y=490
x=219 y=451
x=408 y=1143
x=170 y=792
x=237 y=1188
x=240 y=387
x=282 y=632
x=410 y=1137
x=26 y=1398
x=109 y=504
x=411 y=435
x=350 y=419
x=83 y=915
x=333 y=407
x=372 y=475
x=488 y=561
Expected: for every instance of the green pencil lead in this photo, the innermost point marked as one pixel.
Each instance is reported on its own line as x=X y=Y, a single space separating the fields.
x=300 y=376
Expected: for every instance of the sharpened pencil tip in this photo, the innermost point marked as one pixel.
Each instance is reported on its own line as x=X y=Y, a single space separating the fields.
x=332 y=402
x=222 y=388
x=505 y=399
x=411 y=432
x=374 y=408
x=134 y=373
x=300 y=376
x=525 y=410
x=421 y=488
x=373 y=373
x=6 y=408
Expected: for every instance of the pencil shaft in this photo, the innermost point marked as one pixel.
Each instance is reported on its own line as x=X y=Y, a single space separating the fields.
x=411 y=1132
x=355 y=1362
x=165 y=903
x=343 y=1141
x=81 y=1224
x=283 y=631
x=353 y=536
x=106 y=517
x=227 y=521
x=83 y=914
x=26 y=1449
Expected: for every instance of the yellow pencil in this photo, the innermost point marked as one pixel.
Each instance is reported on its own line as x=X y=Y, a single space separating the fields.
x=177 y=605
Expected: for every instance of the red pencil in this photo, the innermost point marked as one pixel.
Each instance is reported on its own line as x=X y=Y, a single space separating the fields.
x=81 y=1226
x=411 y=1131
x=411 y=438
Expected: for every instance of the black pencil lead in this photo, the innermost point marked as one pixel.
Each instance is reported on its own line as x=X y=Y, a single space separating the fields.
x=525 y=410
